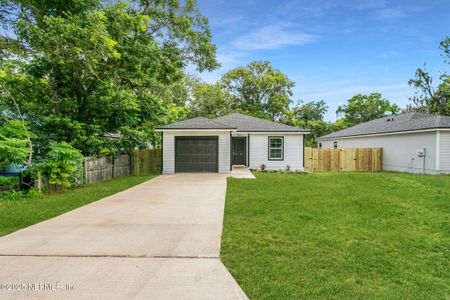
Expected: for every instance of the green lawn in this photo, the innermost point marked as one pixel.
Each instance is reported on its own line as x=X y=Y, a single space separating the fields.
x=339 y=235
x=17 y=214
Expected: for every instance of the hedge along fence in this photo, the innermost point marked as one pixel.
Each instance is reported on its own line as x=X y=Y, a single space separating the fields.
x=344 y=159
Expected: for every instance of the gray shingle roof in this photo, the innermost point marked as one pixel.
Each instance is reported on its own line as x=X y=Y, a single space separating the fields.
x=404 y=122
x=234 y=121
x=197 y=123
x=248 y=123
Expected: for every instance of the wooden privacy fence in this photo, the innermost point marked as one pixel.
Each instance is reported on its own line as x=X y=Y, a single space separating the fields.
x=146 y=161
x=98 y=169
x=344 y=160
x=140 y=162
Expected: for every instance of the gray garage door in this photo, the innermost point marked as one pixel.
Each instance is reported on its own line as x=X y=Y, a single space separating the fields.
x=196 y=154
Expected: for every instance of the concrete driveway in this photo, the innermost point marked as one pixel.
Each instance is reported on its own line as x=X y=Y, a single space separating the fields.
x=158 y=240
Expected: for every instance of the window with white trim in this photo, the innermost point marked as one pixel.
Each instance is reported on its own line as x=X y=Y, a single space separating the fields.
x=276 y=144
x=335 y=144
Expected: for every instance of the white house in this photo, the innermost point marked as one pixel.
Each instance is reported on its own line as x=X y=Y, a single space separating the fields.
x=215 y=145
x=413 y=142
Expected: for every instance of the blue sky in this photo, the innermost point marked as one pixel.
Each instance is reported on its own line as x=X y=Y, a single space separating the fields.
x=332 y=49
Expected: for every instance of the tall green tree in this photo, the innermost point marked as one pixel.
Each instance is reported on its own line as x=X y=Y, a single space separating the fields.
x=209 y=100
x=15 y=143
x=309 y=115
x=259 y=89
x=445 y=47
x=428 y=98
x=83 y=69
x=310 y=111
x=362 y=108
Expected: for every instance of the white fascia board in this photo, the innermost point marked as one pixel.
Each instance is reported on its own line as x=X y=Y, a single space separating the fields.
x=193 y=130
x=274 y=132
x=385 y=133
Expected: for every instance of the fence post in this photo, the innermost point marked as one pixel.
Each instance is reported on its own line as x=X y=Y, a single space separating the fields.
x=38 y=181
x=85 y=169
x=113 y=162
x=131 y=164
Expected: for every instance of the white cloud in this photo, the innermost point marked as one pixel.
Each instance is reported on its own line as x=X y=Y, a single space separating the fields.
x=389 y=14
x=229 y=57
x=226 y=21
x=389 y=54
x=272 y=36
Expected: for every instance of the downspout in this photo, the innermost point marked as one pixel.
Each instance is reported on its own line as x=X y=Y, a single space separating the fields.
x=303 y=151
x=424 y=155
x=248 y=150
x=231 y=152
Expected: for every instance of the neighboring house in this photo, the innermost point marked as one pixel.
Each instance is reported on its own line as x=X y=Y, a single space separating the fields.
x=215 y=145
x=413 y=142
x=11 y=170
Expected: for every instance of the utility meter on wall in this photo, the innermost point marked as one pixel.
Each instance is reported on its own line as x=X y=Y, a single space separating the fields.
x=421 y=152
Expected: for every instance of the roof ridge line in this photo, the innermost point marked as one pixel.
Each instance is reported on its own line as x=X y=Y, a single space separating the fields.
x=214 y=120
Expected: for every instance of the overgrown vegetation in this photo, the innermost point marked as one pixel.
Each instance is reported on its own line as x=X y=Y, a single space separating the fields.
x=8 y=184
x=72 y=74
x=338 y=235
x=76 y=72
x=15 y=143
x=63 y=168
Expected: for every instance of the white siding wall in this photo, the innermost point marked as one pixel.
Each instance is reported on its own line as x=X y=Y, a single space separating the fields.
x=399 y=150
x=293 y=152
x=444 y=142
x=224 y=152
x=169 y=148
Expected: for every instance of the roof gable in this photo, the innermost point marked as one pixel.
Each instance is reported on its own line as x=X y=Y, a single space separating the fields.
x=400 y=123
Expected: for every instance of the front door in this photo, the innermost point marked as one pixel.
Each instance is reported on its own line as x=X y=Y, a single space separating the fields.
x=239 y=153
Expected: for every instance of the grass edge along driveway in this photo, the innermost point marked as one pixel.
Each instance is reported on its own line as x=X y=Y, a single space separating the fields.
x=339 y=235
x=18 y=214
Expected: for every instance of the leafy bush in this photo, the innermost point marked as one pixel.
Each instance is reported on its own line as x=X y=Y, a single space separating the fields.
x=63 y=166
x=12 y=195
x=34 y=193
x=14 y=141
x=8 y=183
